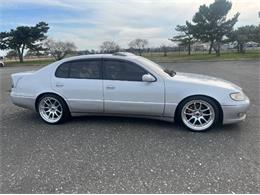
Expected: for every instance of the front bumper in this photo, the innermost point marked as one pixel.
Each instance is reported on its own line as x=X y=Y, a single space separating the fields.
x=23 y=101
x=235 y=113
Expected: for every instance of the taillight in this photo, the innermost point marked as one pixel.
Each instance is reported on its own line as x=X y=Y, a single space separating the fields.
x=12 y=83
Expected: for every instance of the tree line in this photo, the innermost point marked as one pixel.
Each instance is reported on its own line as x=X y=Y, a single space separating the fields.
x=137 y=45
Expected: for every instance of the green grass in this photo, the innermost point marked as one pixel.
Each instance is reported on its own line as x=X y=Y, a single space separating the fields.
x=176 y=56
x=36 y=62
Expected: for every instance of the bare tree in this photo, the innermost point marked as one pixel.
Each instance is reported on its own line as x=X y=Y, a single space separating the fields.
x=139 y=45
x=109 y=47
x=59 y=49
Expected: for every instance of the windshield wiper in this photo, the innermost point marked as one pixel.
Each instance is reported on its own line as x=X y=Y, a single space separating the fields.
x=170 y=72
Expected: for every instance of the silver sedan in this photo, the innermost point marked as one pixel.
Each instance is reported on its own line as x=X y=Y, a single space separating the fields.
x=124 y=84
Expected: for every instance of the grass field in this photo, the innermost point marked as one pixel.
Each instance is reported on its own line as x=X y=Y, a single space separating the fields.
x=171 y=57
x=30 y=62
x=176 y=56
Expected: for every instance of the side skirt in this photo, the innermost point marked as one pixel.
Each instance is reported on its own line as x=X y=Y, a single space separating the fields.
x=163 y=118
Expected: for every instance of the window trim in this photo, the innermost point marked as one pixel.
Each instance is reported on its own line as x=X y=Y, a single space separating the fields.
x=102 y=71
x=122 y=60
x=80 y=60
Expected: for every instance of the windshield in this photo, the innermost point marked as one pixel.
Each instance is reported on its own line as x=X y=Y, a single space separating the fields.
x=158 y=67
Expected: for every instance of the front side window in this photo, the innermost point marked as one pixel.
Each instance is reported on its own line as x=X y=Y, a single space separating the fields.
x=83 y=69
x=122 y=70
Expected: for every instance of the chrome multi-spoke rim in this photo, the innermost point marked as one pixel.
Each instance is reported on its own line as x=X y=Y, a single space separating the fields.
x=198 y=115
x=50 y=109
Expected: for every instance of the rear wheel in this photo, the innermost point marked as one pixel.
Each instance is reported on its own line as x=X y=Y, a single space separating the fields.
x=52 y=109
x=199 y=113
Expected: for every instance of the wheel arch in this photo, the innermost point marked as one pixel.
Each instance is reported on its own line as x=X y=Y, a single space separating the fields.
x=221 y=114
x=45 y=93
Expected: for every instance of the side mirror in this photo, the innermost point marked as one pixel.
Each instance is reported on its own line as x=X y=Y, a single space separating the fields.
x=148 y=78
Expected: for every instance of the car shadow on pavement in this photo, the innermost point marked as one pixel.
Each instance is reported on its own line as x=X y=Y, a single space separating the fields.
x=30 y=118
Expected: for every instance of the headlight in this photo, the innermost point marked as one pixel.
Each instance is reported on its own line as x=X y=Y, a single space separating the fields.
x=239 y=96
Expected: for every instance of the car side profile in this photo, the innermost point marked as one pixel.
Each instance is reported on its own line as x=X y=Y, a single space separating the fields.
x=123 y=84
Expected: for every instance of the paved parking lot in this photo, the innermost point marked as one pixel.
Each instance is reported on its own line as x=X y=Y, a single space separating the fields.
x=109 y=154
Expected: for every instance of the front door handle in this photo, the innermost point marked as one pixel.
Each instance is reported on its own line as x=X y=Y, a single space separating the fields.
x=110 y=87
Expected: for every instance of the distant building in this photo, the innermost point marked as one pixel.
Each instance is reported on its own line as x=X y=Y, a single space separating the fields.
x=199 y=46
x=252 y=44
x=228 y=46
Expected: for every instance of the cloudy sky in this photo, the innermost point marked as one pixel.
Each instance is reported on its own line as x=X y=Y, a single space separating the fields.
x=90 y=22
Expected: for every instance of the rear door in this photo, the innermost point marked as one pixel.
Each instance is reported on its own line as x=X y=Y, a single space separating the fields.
x=126 y=93
x=80 y=82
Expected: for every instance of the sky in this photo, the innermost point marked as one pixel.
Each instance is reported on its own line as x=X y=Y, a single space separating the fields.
x=88 y=23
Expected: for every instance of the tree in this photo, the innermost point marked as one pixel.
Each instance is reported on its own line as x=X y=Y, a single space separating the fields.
x=36 y=53
x=139 y=45
x=24 y=37
x=109 y=47
x=59 y=49
x=11 y=54
x=244 y=34
x=164 y=49
x=256 y=37
x=210 y=23
x=185 y=36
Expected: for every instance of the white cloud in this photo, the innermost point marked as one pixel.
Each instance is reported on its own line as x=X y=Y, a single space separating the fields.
x=122 y=21
x=56 y=3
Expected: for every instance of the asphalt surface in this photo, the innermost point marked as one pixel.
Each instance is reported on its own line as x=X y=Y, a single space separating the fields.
x=127 y=155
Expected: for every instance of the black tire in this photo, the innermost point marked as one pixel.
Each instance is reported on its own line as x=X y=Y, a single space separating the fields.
x=179 y=117
x=1 y=65
x=65 y=114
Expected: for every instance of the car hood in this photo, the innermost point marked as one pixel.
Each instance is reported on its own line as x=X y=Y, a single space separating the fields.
x=205 y=80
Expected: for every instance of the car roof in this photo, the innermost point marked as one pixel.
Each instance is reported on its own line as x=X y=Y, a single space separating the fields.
x=118 y=55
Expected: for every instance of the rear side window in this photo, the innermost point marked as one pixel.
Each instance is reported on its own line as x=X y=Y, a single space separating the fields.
x=63 y=71
x=122 y=70
x=83 y=69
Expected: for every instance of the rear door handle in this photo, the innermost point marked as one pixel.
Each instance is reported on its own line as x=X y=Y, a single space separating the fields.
x=59 y=85
x=110 y=87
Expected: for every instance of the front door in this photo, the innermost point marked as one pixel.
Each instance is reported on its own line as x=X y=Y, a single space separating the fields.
x=126 y=93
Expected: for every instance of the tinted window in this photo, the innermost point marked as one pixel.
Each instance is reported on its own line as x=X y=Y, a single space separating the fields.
x=122 y=70
x=89 y=69
x=62 y=71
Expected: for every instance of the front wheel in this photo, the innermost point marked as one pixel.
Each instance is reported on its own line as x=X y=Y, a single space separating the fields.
x=52 y=109
x=199 y=113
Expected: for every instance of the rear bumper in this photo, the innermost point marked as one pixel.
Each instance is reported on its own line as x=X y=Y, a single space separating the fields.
x=235 y=113
x=23 y=101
